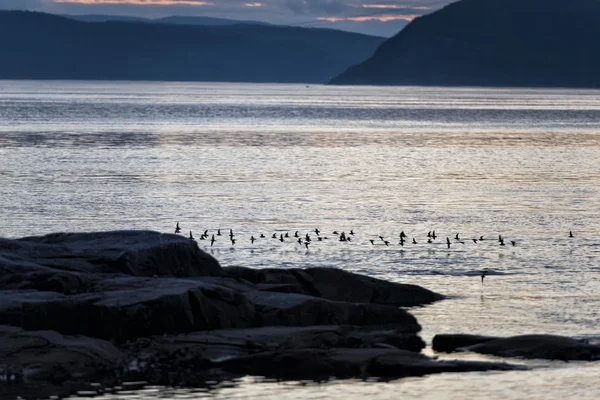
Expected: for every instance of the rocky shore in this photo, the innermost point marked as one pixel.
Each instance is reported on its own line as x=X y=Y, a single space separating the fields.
x=104 y=308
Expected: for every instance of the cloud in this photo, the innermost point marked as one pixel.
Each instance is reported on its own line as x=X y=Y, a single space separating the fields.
x=318 y=13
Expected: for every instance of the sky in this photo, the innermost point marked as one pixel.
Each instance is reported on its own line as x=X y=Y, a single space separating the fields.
x=377 y=17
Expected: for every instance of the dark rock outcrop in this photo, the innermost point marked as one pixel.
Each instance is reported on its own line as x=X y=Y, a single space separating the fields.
x=547 y=43
x=125 y=305
x=549 y=347
x=336 y=284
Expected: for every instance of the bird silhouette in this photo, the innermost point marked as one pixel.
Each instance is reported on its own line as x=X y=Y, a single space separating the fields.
x=448 y=241
x=191 y=236
x=177 y=228
x=483 y=274
x=212 y=240
x=571 y=234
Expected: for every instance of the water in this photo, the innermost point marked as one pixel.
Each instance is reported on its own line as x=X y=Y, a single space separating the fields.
x=82 y=156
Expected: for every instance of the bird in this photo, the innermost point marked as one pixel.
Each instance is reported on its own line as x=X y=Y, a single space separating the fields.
x=481 y=238
x=317 y=231
x=386 y=242
x=287 y=235
x=296 y=234
x=483 y=274
x=381 y=237
x=232 y=241
x=372 y=242
x=501 y=242
x=475 y=241
x=252 y=239
x=429 y=234
x=218 y=232
x=402 y=234
x=306 y=245
x=274 y=236
x=448 y=241
x=231 y=234
x=177 y=228
x=433 y=235
x=429 y=240
x=300 y=240
x=571 y=234
x=191 y=237
x=281 y=237
x=414 y=241
x=262 y=236
x=335 y=233
x=351 y=232
x=456 y=237
x=500 y=238
x=212 y=240
x=513 y=242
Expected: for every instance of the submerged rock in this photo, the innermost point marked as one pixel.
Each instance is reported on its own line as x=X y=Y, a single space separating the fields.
x=549 y=347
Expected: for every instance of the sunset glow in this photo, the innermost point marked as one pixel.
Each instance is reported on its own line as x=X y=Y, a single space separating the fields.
x=394 y=7
x=382 y=18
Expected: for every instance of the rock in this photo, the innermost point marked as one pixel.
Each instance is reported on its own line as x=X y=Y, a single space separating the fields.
x=291 y=309
x=338 y=285
x=221 y=344
x=527 y=346
x=549 y=347
x=122 y=308
x=43 y=356
x=139 y=253
x=449 y=343
x=315 y=364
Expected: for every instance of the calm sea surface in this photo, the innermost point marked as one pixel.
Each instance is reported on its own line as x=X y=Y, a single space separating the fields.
x=524 y=164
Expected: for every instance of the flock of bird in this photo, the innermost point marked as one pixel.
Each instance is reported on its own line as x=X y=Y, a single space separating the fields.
x=306 y=239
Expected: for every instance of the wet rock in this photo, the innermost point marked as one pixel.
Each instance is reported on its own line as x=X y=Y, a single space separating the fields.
x=549 y=347
x=338 y=285
x=47 y=356
x=447 y=343
x=318 y=364
x=228 y=343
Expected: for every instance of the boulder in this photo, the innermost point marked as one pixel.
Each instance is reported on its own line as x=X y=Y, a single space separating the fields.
x=447 y=343
x=550 y=347
x=337 y=285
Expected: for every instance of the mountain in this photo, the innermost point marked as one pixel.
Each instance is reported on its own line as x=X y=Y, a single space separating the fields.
x=166 y=20
x=45 y=46
x=105 y=18
x=537 y=43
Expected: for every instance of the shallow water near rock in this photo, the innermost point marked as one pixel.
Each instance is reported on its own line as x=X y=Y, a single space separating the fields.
x=91 y=156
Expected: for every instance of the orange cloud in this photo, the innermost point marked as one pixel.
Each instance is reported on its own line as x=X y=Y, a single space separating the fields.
x=139 y=2
x=395 y=7
x=382 y=18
